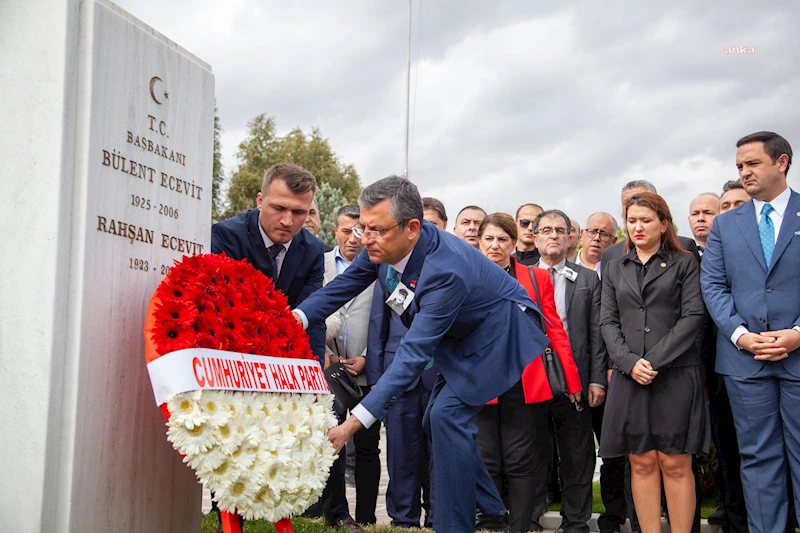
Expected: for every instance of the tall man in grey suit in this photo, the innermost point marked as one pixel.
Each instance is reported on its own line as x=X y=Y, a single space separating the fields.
x=347 y=343
x=751 y=286
x=577 y=295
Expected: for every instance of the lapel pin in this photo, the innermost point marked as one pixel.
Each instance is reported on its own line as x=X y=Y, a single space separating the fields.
x=413 y=282
x=663 y=265
x=798 y=213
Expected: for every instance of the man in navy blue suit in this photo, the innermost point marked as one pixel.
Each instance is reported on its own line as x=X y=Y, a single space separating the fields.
x=751 y=285
x=271 y=237
x=475 y=320
x=407 y=447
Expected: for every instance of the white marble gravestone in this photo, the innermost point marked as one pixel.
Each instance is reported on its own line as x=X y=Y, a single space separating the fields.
x=106 y=158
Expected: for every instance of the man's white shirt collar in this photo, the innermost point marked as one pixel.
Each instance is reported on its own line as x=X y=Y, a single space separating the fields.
x=779 y=204
x=268 y=242
x=400 y=266
x=559 y=267
x=581 y=263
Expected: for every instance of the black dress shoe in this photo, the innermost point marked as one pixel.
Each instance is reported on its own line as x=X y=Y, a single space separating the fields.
x=492 y=522
x=347 y=523
x=718 y=518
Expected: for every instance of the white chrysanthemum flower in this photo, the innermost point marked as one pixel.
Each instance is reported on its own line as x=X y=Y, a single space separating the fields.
x=243 y=426
x=269 y=404
x=232 y=403
x=184 y=409
x=295 y=425
x=316 y=438
x=333 y=325
x=190 y=441
x=263 y=506
x=305 y=399
x=251 y=403
x=228 y=439
x=283 y=508
x=270 y=439
x=245 y=455
x=279 y=475
x=212 y=405
x=314 y=480
x=208 y=460
x=240 y=494
x=219 y=479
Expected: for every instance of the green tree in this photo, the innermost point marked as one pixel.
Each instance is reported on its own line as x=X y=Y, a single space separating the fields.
x=329 y=200
x=263 y=148
x=217 y=176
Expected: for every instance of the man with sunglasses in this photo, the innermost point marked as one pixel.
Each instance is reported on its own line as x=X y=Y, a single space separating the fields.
x=475 y=320
x=526 y=252
x=599 y=234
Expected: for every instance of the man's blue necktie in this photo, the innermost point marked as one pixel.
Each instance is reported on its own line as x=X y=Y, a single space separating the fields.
x=766 y=231
x=392 y=281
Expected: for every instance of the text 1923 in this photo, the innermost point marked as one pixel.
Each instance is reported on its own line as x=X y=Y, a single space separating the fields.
x=138 y=264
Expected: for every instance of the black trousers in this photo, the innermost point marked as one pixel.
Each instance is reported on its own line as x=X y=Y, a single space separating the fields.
x=367 y=470
x=616 y=502
x=572 y=431
x=332 y=505
x=515 y=443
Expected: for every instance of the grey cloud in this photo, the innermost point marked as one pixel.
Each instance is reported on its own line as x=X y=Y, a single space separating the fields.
x=515 y=101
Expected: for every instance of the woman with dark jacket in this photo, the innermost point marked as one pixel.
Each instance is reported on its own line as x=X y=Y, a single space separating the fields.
x=656 y=413
x=513 y=433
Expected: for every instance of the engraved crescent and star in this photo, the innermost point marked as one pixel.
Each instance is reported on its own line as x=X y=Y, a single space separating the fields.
x=153 y=81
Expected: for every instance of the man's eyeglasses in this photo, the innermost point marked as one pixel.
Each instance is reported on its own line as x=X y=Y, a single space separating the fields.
x=594 y=232
x=360 y=232
x=547 y=230
x=524 y=223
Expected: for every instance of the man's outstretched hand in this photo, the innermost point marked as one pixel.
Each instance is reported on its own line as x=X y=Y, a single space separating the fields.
x=297 y=317
x=339 y=435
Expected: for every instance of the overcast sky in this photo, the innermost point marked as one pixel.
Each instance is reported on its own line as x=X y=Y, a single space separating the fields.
x=556 y=103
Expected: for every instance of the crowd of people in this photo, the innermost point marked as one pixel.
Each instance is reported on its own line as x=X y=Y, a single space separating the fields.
x=652 y=345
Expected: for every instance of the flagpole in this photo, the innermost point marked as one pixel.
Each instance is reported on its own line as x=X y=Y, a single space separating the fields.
x=408 y=90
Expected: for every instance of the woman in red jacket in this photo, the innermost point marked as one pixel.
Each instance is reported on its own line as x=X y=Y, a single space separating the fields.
x=513 y=432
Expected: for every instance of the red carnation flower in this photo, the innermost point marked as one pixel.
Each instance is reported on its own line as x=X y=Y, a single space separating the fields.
x=213 y=301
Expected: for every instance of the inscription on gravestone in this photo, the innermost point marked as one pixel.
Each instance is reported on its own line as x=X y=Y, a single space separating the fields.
x=148 y=202
x=108 y=170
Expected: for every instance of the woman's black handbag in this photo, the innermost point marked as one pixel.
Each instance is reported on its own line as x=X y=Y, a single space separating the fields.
x=344 y=387
x=552 y=364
